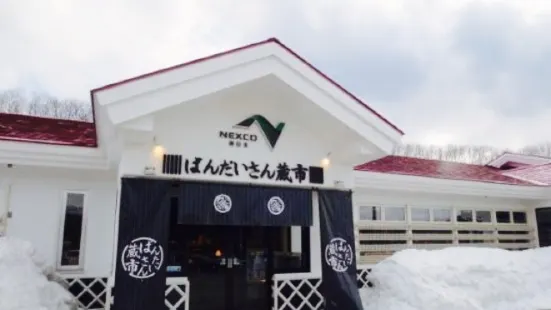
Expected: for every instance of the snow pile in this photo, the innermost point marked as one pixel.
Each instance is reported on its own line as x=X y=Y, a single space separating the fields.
x=461 y=279
x=26 y=283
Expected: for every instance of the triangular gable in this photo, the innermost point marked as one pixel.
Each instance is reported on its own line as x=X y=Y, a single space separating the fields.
x=142 y=96
x=242 y=48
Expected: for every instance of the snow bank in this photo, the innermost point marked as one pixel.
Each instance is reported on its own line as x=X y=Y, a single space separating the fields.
x=24 y=280
x=461 y=279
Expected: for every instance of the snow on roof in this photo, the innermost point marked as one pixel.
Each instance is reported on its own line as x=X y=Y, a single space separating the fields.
x=517 y=159
x=440 y=169
x=538 y=174
x=25 y=128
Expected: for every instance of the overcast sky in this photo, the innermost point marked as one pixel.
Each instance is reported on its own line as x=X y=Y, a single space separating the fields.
x=444 y=71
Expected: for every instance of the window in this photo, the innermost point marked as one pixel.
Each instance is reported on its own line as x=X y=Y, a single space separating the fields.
x=370 y=213
x=395 y=214
x=465 y=216
x=420 y=215
x=519 y=217
x=483 y=216
x=72 y=233
x=503 y=217
x=442 y=215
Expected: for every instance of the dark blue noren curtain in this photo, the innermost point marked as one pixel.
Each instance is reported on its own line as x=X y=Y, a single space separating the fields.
x=244 y=205
x=140 y=277
x=339 y=287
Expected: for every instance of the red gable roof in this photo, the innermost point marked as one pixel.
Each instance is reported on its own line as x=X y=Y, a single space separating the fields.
x=439 y=169
x=271 y=40
x=25 y=128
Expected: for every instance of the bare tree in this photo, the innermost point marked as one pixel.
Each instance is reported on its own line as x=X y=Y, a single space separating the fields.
x=40 y=104
x=467 y=153
x=11 y=101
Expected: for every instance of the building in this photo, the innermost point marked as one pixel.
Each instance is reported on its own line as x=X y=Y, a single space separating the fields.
x=258 y=116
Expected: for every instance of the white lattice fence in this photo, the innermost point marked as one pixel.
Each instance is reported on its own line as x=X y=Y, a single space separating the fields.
x=177 y=293
x=294 y=291
x=361 y=275
x=301 y=291
x=91 y=293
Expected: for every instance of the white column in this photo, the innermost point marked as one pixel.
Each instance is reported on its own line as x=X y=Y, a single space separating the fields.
x=315 y=238
x=114 y=253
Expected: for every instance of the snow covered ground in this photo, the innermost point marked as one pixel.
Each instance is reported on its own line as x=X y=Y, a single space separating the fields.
x=451 y=279
x=24 y=284
x=461 y=279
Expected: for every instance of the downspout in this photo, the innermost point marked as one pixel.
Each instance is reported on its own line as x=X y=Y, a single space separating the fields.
x=5 y=215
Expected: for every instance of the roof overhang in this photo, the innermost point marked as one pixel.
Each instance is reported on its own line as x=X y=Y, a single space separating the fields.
x=525 y=159
x=415 y=184
x=48 y=155
x=137 y=98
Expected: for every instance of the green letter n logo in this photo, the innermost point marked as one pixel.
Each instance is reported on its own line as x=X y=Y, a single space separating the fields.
x=270 y=132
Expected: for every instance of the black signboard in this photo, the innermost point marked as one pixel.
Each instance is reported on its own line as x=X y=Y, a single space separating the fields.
x=140 y=277
x=244 y=205
x=339 y=287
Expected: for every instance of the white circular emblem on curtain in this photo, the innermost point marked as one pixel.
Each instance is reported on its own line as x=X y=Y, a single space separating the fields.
x=276 y=205
x=339 y=255
x=142 y=258
x=222 y=203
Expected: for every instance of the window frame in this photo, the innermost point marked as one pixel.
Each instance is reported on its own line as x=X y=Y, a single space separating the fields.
x=526 y=220
x=370 y=206
x=451 y=211
x=384 y=208
x=458 y=211
x=411 y=220
x=510 y=212
x=82 y=249
x=492 y=216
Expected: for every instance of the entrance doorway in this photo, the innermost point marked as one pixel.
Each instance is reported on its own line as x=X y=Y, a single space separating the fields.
x=231 y=267
x=543 y=218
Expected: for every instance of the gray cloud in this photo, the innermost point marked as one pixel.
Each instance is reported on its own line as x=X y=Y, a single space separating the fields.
x=510 y=59
x=444 y=71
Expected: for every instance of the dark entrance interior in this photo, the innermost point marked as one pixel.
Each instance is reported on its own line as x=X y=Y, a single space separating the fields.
x=231 y=267
x=543 y=218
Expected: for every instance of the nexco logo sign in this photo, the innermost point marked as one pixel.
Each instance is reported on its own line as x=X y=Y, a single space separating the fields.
x=270 y=132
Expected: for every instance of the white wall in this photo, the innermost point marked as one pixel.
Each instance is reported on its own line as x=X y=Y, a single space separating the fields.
x=192 y=129
x=37 y=207
x=363 y=196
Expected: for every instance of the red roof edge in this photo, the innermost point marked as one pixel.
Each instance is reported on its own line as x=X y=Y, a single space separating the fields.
x=270 y=40
x=330 y=80
x=71 y=137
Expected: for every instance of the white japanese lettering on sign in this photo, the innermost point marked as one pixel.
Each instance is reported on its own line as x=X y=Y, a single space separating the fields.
x=339 y=255
x=142 y=258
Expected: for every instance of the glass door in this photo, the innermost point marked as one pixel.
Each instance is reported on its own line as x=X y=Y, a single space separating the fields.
x=229 y=267
x=250 y=275
x=205 y=253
